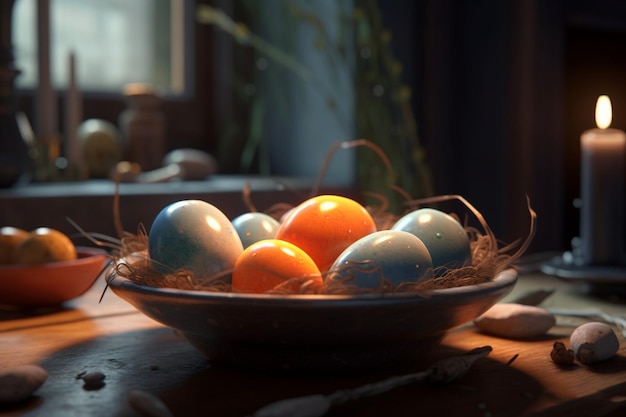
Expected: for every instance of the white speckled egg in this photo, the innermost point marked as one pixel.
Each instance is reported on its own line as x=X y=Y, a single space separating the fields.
x=446 y=239
x=255 y=226
x=394 y=255
x=195 y=236
x=594 y=342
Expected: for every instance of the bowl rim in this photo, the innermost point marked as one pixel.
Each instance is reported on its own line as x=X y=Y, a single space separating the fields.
x=85 y=254
x=503 y=279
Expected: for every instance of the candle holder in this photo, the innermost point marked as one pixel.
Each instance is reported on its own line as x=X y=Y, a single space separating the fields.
x=609 y=279
x=597 y=256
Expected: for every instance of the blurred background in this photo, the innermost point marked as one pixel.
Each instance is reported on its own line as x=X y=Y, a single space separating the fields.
x=482 y=98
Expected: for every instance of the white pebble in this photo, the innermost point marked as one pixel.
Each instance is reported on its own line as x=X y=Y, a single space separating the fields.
x=309 y=406
x=148 y=405
x=20 y=382
x=515 y=321
x=594 y=342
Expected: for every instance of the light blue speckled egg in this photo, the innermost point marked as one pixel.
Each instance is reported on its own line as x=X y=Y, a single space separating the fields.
x=255 y=226
x=195 y=236
x=394 y=255
x=446 y=239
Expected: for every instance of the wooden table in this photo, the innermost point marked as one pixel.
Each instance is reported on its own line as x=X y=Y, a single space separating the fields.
x=134 y=352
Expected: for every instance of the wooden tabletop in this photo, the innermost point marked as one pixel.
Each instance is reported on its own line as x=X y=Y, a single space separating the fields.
x=134 y=352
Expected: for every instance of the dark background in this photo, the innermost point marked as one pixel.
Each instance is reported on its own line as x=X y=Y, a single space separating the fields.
x=503 y=91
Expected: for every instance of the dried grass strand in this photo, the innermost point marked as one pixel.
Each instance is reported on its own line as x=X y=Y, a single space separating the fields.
x=487 y=262
x=347 y=145
x=246 y=197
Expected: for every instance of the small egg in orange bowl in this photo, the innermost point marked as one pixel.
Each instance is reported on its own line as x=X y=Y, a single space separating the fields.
x=50 y=284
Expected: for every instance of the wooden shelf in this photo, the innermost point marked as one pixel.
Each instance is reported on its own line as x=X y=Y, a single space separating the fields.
x=90 y=204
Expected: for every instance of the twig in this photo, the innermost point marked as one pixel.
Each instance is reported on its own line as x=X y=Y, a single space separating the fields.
x=347 y=145
x=443 y=371
x=534 y=298
x=513 y=358
x=618 y=321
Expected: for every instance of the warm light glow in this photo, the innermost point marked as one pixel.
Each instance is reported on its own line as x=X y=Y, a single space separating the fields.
x=380 y=240
x=425 y=218
x=267 y=226
x=213 y=223
x=604 y=113
x=288 y=252
x=328 y=206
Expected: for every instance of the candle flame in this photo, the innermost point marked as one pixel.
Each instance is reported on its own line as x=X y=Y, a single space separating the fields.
x=604 y=113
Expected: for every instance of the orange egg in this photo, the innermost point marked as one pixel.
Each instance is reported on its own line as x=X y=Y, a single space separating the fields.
x=44 y=245
x=10 y=239
x=325 y=225
x=268 y=263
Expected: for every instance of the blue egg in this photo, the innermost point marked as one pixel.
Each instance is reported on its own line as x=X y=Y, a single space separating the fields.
x=388 y=254
x=446 y=239
x=195 y=236
x=255 y=226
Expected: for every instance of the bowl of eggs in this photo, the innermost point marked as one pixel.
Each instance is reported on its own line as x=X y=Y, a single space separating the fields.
x=43 y=268
x=320 y=289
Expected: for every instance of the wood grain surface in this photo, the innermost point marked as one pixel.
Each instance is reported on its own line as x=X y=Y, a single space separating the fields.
x=134 y=352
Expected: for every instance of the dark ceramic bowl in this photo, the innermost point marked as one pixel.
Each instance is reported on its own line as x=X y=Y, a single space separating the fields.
x=313 y=332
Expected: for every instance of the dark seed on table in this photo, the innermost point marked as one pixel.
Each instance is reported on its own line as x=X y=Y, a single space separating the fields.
x=93 y=380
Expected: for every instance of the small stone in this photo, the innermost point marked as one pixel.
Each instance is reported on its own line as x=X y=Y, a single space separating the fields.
x=515 y=321
x=307 y=406
x=93 y=380
x=594 y=342
x=562 y=355
x=148 y=405
x=20 y=382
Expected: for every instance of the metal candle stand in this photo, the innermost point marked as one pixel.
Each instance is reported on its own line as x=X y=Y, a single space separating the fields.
x=601 y=279
x=597 y=257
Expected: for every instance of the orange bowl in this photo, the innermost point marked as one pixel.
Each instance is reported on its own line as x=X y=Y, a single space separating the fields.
x=50 y=284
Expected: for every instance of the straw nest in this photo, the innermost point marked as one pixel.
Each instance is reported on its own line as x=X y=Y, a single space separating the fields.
x=489 y=256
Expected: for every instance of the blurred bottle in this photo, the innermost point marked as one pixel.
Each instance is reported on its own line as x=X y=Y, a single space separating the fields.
x=142 y=126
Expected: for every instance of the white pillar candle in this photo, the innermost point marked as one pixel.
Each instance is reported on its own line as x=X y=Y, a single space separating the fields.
x=46 y=97
x=602 y=190
x=73 y=116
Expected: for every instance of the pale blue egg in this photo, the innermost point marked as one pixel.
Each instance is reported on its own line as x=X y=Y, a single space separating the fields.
x=195 y=236
x=446 y=239
x=388 y=254
x=255 y=226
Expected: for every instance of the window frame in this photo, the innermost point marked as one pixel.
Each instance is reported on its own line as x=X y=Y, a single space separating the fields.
x=190 y=116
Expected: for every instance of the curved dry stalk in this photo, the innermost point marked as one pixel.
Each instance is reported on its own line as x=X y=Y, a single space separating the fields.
x=246 y=197
x=531 y=234
x=207 y=14
x=493 y=242
x=406 y=196
x=347 y=145
x=384 y=201
x=481 y=219
x=97 y=239
x=592 y=314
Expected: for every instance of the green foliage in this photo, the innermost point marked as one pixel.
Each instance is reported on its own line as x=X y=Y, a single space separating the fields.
x=383 y=112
